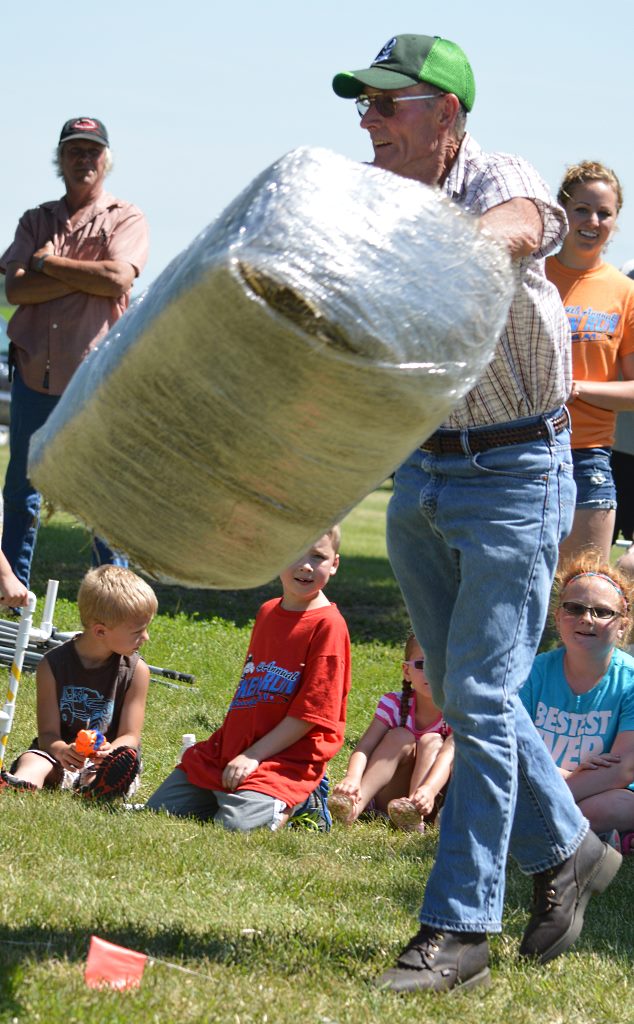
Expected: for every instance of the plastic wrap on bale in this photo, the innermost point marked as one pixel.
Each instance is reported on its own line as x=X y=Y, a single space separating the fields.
x=276 y=372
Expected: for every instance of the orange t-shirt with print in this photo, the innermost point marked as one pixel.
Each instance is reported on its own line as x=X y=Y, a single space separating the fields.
x=599 y=304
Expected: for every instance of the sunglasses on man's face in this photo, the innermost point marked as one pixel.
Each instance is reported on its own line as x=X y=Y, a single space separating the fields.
x=386 y=105
x=417 y=663
x=596 y=612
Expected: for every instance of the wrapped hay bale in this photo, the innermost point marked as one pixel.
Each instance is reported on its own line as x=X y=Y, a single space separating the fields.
x=276 y=372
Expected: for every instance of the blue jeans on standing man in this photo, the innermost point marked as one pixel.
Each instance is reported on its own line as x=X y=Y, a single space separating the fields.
x=473 y=541
x=29 y=411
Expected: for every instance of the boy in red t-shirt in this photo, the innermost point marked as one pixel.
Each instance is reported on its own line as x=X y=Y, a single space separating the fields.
x=287 y=717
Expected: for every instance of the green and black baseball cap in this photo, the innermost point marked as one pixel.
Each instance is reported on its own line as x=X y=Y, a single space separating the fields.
x=407 y=60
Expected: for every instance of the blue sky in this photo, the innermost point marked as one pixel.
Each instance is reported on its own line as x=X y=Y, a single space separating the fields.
x=200 y=96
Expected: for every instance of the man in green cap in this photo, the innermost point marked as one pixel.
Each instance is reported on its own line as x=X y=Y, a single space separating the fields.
x=474 y=527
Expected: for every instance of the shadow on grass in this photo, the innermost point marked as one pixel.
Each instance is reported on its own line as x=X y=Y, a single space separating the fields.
x=364 y=588
x=330 y=948
x=252 y=950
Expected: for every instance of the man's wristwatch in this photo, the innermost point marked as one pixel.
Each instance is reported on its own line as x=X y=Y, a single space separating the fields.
x=39 y=263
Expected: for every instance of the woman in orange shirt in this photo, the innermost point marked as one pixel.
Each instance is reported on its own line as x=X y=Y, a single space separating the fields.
x=599 y=303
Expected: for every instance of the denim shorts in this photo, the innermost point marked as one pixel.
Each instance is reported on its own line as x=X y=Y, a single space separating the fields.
x=593 y=477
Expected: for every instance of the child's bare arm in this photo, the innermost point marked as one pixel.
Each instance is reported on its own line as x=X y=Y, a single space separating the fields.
x=424 y=796
x=351 y=782
x=285 y=733
x=132 y=713
x=12 y=590
x=359 y=758
x=48 y=721
x=587 y=781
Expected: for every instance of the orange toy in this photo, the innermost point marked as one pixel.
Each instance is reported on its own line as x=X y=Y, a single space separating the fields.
x=88 y=740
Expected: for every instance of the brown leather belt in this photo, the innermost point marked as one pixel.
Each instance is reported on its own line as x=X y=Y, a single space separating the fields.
x=480 y=439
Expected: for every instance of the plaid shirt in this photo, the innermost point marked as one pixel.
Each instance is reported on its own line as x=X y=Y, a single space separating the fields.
x=56 y=335
x=531 y=369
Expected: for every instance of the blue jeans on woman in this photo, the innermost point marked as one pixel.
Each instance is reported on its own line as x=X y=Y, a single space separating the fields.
x=30 y=411
x=473 y=541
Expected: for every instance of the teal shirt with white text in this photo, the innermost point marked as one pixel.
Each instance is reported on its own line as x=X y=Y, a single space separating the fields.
x=576 y=726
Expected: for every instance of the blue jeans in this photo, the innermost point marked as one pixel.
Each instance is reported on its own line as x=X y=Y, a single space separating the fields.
x=29 y=411
x=473 y=541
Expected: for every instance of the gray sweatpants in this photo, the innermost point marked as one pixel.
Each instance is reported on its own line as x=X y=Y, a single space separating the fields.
x=241 y=811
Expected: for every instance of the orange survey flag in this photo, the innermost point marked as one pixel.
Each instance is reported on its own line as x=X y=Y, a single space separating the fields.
x=113 y=966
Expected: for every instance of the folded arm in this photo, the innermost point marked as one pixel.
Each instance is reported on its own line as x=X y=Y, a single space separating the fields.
x=589 y=779
x=57 y=276
x=26 y=287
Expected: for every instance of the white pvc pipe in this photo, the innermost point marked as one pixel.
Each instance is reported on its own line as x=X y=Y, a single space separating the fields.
x=46 y=625
x=46 y=628
x=21 y=644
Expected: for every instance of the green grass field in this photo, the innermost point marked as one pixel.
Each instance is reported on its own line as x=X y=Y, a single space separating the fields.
x=276 y=928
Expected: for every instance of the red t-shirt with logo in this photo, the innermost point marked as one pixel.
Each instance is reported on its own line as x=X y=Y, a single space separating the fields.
x=298 y=664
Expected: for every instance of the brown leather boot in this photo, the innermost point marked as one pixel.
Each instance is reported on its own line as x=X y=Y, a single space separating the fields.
x=560 y=897
x=436 y=961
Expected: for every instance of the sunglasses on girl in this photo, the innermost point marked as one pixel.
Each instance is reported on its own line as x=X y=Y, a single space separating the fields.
x=416 y=663
x=386 y=105
x=596 y=612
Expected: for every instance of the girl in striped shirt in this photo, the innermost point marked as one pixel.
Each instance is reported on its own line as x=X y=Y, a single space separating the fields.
x=402 y=763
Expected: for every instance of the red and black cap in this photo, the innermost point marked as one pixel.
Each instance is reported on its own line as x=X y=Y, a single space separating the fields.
x=84 y=128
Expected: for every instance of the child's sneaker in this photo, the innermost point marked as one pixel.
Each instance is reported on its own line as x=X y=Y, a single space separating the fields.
x=115 y=775
x=12 y=782
x=627 y=843
x=404 y=815
x=314 y=811
x=612 y=838
x=342 y=808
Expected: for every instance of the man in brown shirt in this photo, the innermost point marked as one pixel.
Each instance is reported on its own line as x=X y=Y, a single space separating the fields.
x=70 y=270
